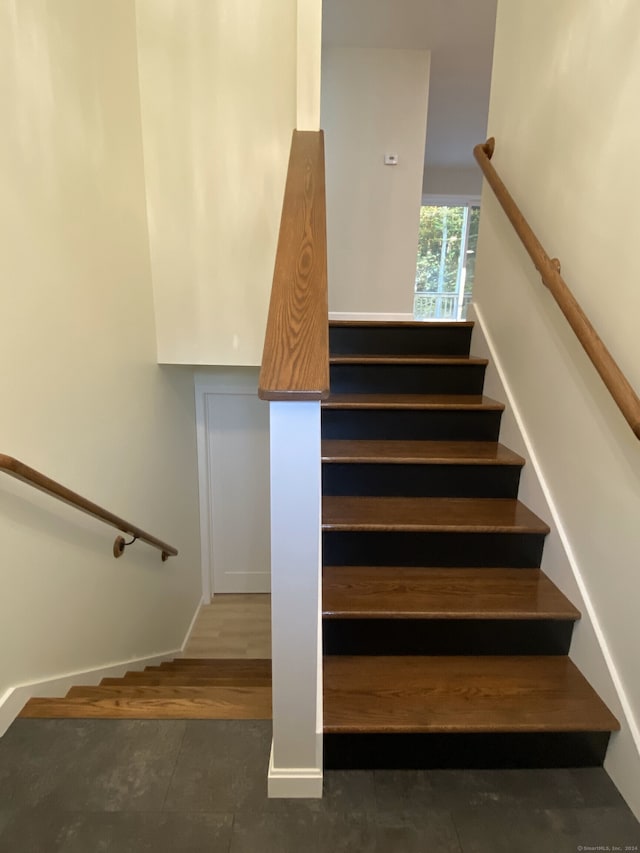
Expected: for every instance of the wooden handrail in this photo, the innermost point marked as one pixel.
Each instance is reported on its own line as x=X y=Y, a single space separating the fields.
x=549 y=269
x=295 y=360
x=34 y=478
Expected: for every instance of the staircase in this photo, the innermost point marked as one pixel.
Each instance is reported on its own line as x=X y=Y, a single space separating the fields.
x=185 y=688
x=444 y=643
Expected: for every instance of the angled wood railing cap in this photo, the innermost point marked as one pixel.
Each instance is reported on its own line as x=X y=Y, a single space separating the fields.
x=45 y=484
x=550 y=270
x=295 y=361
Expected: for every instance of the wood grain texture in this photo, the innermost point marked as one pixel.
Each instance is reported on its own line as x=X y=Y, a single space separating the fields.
x=213 y=703
x=45 y=484
x=170 y=692
x=453 y=402
x=418 y=452
x=197 y=689
x=549 y=268
x=238 y=667
x=460 y=694
x=295 y=360
x=224 y=672
x=401 y=592
x=184 y=678
x=450 y=515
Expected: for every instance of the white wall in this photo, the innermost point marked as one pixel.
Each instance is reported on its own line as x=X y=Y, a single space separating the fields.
x=374 y=101
x=452 y=180
x=563 y=111
x=83 y=398
x=218 y=94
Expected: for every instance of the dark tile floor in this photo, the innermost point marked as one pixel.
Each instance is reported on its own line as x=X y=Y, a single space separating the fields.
x=103 y=786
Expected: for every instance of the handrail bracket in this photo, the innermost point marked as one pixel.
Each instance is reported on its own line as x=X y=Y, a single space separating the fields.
x=119 y=545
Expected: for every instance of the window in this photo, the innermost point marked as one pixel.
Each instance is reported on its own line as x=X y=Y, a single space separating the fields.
x=447 y=240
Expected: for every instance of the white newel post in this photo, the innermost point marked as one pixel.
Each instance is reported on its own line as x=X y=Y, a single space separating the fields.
x=295 y=768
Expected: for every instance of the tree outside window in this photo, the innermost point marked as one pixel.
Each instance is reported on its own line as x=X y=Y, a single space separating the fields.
x=447 y=238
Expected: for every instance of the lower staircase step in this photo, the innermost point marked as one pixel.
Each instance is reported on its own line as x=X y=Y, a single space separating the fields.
x=460 y=694
x=163 y=691
x=185 y=678
x=238 y=672
x=405 y=592
x=182 y=689
x=224 y=667
x=204 y=703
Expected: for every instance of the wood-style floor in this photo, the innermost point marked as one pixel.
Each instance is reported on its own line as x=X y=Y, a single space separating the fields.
x=232 y=626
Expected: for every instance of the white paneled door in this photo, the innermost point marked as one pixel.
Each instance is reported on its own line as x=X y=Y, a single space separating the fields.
x=233 y=461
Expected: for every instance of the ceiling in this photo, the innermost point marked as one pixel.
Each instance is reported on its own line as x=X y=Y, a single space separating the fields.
x=459 y=34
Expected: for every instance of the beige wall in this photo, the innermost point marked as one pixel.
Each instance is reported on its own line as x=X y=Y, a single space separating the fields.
x=374 y=102
x=564 y=113
x=82 y=396
x=218 y=95
x=308 y=64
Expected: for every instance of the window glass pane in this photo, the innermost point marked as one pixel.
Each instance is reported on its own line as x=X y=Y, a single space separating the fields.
x=439 y=243
x=447 y=241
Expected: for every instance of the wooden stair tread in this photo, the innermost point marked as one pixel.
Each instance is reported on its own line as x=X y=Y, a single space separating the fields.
x=383 y=324
x=221 y=666
x=419 y=452
x=228 y=667
x=460 y=694
x=217 y=703
x=457 y=360
x=457 y=402
x=463 y=515
x=196 y=672
x=390 y=592
x=197 y=679
x=167 y=691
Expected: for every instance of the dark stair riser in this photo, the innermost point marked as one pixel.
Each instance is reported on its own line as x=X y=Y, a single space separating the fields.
x=427 y=339
x=411 y=424
x=350 y=548
x=446 y=636
x=423 y=480
x=407 y=378
x=440 y=751
x=541 y=745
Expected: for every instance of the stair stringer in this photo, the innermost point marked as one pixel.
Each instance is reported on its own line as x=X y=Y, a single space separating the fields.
x=589 y=649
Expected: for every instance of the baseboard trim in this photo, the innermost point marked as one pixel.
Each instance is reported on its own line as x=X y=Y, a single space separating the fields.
x=293 y=782
x=191 y=626
x=363 y=315
x=626 y=777
x=557 y=522
x=15 y=698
